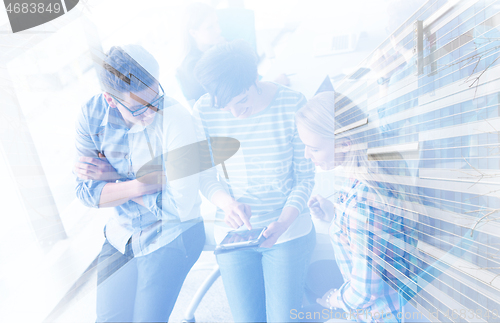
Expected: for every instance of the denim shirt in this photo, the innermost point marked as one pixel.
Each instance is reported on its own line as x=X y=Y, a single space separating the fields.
x=167 y=213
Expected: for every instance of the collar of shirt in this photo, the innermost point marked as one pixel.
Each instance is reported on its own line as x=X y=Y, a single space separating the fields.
x=112 y=117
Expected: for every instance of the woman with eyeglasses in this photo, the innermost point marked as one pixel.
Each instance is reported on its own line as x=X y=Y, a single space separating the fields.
x=155 y=234
x=269 y=183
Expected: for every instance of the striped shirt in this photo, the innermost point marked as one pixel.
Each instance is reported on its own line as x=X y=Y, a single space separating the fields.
x=364 y=235
x=269 y=171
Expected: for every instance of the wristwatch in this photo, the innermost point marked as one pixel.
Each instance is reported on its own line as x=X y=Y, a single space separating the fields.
x=330 y=294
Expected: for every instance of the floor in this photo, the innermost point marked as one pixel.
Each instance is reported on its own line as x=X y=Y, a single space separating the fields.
x=80 y=306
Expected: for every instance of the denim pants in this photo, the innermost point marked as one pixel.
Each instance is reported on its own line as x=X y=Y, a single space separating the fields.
x=144 y=289
x=265 y=284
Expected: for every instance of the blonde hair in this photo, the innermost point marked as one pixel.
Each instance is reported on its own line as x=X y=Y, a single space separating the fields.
x=318 y=115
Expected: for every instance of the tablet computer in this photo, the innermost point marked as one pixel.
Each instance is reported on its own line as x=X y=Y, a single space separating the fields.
x=242 y=239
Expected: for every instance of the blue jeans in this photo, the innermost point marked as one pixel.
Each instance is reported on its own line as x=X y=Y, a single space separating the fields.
x=144 y=289
x=265 y=284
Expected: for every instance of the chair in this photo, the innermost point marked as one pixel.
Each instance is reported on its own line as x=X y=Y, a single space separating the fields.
x=209 y=217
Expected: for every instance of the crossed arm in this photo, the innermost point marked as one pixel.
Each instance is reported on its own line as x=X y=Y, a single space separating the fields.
x=114 y=194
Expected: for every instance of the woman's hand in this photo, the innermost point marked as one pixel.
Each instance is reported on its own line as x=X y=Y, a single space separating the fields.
x=329 y=300
x=237 y=214
x=277 y=228
x=272 y=233
x=98 y=169
x=321 y=208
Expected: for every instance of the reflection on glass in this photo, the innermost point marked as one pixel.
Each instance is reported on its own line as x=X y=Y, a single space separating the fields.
x=447 y=189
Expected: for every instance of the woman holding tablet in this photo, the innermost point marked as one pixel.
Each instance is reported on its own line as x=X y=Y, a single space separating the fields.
x=271 y=181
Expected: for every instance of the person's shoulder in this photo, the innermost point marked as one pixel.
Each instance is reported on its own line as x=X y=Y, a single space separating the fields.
x=369 y=194
x=95 y=103
x=204 y=104
x=172 y=109
x=357 y=186
x=170 y=103
x=285 y=90
x=289 y=98
x=93 y=109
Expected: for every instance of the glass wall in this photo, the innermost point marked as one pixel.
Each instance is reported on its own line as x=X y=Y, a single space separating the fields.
x=432 y=102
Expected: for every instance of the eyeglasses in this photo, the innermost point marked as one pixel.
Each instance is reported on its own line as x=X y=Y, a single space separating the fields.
x=139 y=109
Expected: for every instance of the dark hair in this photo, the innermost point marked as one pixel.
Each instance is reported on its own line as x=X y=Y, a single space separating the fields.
x=227 y=70
x=120 y=73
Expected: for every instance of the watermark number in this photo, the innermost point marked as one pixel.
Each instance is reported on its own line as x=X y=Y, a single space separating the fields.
x=33 y=8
